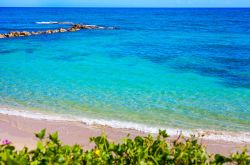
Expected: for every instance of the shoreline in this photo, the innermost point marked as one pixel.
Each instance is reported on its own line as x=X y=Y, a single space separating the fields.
x=230 y=136
x=20 y=130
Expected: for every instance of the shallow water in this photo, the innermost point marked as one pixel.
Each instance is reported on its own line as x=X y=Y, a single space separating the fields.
x=177 y=68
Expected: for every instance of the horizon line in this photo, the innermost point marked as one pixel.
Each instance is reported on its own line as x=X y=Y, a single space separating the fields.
x=119 y=7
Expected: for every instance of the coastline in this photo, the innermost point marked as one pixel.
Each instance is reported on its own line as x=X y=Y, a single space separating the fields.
x=238 y=137
x=19 y=127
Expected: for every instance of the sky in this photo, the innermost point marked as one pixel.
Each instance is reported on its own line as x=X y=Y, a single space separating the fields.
x=124 y=3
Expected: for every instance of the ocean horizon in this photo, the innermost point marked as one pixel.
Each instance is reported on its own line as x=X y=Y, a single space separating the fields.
x=177 y=68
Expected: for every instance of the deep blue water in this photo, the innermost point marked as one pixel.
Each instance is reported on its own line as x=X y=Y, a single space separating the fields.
x=177 y=68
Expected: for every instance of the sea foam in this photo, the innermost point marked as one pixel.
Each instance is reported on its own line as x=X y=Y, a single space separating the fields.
x=54 y=22
x=239 y=137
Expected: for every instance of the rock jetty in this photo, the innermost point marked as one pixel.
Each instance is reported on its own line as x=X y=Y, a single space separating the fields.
x=73 y=28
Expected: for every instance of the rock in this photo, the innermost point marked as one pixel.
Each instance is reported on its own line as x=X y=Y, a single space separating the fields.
x=55 y=31
x=73 y=28
x=24 y=33
x=61 y=30
x=34 y=33
x=2 y=36
x=77 y=26
x=49 y=31
x=13 y=34
x=17 y=34
x=10 y=34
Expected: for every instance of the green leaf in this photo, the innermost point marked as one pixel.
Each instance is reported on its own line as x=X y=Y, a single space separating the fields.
x=41 y=134
x=54 y=137
x=40 y=146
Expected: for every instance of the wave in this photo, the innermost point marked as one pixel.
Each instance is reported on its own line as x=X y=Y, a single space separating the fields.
x=238 y=137
x=71 y=23
x=54 y=22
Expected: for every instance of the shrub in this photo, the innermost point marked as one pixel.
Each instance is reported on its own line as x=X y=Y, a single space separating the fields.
x=147 y=150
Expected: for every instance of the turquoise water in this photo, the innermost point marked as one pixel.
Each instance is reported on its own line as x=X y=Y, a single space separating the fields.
x=176 y=68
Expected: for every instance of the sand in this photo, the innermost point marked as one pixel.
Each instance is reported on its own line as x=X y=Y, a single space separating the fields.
x=20 y=131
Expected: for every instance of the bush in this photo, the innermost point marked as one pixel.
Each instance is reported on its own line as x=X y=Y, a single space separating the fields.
x=140 y=150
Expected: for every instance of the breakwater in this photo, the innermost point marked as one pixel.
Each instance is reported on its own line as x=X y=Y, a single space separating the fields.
x=73 y=28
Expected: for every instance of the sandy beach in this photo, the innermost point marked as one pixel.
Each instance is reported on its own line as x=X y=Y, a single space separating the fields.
x=20 y=130
x=165 y=82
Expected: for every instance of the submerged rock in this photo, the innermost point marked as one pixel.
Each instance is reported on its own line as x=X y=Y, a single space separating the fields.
x=40 y=32
x=34 y=33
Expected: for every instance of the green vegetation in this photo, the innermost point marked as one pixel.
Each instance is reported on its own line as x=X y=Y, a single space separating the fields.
x=140 y=150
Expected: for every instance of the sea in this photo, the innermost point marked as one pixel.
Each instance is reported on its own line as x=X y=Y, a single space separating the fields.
x=168 y=68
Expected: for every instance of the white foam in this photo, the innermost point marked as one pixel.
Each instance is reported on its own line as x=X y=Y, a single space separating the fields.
x=53 y=22
x=90 y=25
x=239 y=137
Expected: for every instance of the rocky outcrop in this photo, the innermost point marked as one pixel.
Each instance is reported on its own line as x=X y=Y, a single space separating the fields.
x=2 y=36
x=73 y=28
x=17 y=34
